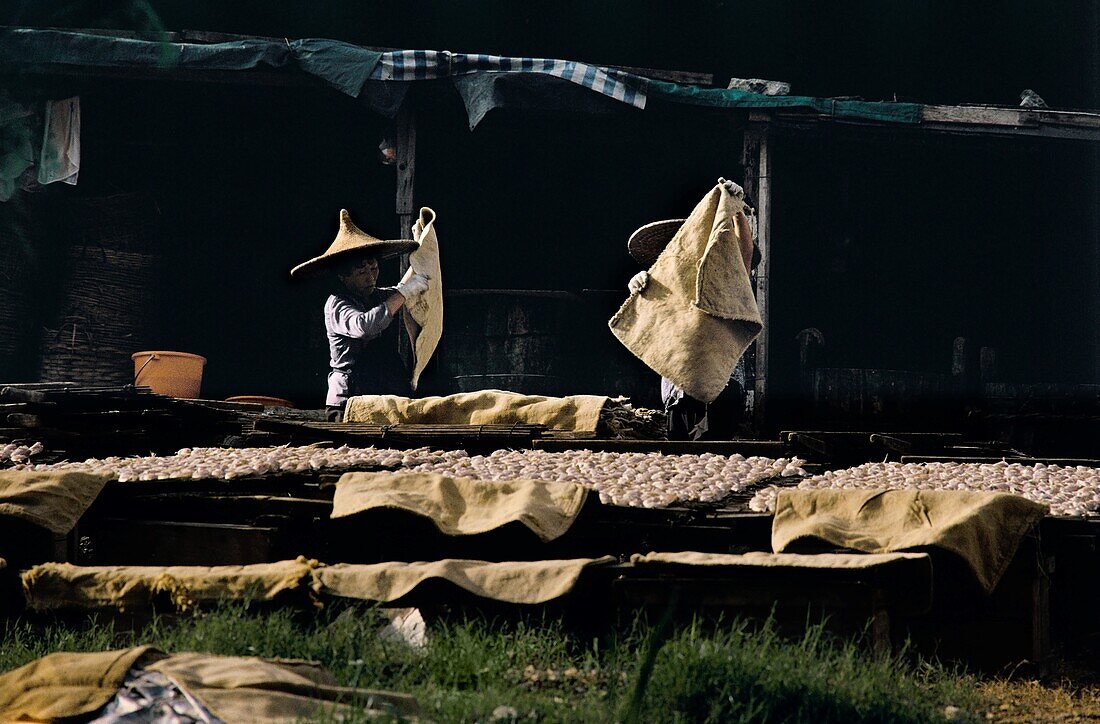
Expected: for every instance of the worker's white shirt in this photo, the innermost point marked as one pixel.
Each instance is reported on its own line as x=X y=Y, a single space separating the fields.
x=350 y=322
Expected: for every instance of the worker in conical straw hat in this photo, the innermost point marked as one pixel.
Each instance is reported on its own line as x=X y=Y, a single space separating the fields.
x=363 y=351
x=689 y=418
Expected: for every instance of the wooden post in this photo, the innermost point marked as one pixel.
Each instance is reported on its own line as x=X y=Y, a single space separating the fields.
x=756 y=162
x=406 y=168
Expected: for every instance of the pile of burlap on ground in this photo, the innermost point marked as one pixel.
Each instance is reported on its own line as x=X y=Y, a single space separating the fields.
x=512 y=581
x=464 y=506
x=424 y=320
x=697 y=314
x=63 y=585
x=53 y=500
x=235 y=689
x=760 y=559
x=580 y=413
x=984 y=529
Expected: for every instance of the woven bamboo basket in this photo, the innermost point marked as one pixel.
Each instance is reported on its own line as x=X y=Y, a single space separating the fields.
x=108 y=309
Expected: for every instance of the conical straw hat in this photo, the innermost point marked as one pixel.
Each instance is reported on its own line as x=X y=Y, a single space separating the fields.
x=647 y=242
x=353 y=240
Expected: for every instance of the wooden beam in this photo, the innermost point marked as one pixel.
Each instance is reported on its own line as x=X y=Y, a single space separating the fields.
x=960 y=120
x=768 y=448
x=674 y=76
x=272 y=78
x=406 y=166
x=756 y=161
x=405 y=207
x=980 y=115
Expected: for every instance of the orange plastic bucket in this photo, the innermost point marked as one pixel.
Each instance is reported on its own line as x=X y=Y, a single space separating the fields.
x=176 y=374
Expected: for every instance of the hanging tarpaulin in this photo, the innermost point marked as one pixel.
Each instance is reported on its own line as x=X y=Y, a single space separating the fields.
x=22 y=48
x=428 y=64
x=343 y=66
x=380 y=80
x=16 y=143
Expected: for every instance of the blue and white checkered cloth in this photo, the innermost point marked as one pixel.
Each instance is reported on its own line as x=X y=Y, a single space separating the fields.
x=425 y=64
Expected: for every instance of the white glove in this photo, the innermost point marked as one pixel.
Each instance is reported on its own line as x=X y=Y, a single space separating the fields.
x=637 y=282
x=734 y=188
x=416 y=285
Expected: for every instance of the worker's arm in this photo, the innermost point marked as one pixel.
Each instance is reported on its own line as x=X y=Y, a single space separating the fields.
x=394 y=302
x=346 y=319
x=744 y=228
x=416 y=284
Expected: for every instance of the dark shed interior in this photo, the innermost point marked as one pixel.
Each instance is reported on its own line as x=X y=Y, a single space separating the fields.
x=892 y=243
x=246 y=181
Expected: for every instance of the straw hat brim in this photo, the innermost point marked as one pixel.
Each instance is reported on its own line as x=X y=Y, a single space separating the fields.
x=351 y=241
x=647 y=242
x=381 y=249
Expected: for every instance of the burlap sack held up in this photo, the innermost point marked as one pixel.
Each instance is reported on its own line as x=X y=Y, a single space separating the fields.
x=984 y=529
x=697 y=315
x=464 y=506
x=579 y=413
x=424 y=320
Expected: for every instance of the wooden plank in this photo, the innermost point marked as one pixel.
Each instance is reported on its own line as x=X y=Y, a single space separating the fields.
x=222 y=405
x=405 y=205
x=1013 y=117
x=1064 y=125
x=756 y=160
x=686 y=77
x=151 y=35
x=767 y=595
x=767 y=448
x=867 y=434
x=406 y=166
x=115 y=541
x=1069 y=118
x=980 y=115
x=1064 y=462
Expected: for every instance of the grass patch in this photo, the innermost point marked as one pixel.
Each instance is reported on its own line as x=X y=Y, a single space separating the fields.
x=728 y=673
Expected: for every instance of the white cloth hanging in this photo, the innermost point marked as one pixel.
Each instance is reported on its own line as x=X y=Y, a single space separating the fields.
x=60 y=157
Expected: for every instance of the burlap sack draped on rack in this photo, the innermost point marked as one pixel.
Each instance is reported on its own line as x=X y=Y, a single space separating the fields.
x=65 y=586
x=51 y=500
x=109 y=306
x=512 y=581
x=463 y=506
x=697 y=315
x=983 y=529
x=579 y=413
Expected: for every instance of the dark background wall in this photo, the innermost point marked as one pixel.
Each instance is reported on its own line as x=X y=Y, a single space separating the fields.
x=926 y=237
